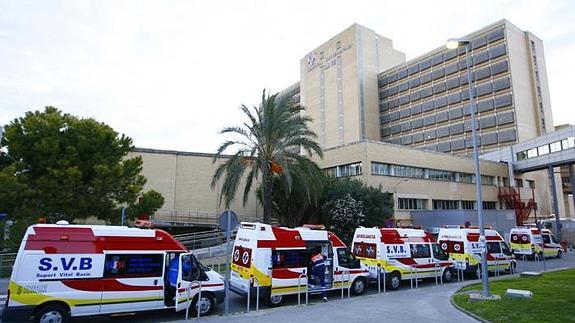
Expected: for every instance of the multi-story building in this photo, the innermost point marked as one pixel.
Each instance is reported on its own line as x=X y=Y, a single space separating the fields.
x=404 y=126
x=338 y=85
x=425 y=102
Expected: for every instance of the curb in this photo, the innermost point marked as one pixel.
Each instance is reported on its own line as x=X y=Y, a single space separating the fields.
x=464 y=311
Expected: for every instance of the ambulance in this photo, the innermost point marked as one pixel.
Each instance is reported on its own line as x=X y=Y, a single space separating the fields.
x=64 y=271
x=277 y=259
x=403 y=254
x=464 y=249
x=530 y=241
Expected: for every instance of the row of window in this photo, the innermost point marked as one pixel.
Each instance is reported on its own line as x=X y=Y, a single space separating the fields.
x=441 y=86
x=547 y=148
x=344 y=170
x=421 y=65
x=426 y=173
x=451 y=98
x=502 y=136
x=488 y=121
x=421 y=204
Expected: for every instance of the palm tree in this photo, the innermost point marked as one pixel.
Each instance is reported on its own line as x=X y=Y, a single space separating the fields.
x=269 y=143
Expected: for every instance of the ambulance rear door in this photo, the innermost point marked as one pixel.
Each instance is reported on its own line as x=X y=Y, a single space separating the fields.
x=187 y=287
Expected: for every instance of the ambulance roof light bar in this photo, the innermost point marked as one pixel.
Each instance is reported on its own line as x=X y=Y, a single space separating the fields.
x=314 y=226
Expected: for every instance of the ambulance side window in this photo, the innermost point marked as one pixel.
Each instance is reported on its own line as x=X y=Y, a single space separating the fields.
x=505 y=249
x=546 y=238
x=554 y=240
x=346 y=259
x=289 y=258
x=439 y=253
x=420 y=251
x=134 y=265
x=493 y=247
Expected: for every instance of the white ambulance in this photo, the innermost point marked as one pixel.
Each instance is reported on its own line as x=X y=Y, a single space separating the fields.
x=530 y=241
x=464 y=249
x=402 y=253
x=277 y=257
x=64 y=271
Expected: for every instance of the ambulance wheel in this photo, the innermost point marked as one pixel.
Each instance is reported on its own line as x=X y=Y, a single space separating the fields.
x=394 y=280
x=559 y=253
x=540 y=256
x=359 y=286
x=207 y=305
x=52 y=313
x=274 y=300
x=447 y=275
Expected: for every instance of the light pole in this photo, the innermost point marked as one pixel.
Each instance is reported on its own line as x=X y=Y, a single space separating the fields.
x=395 y=198
x=453 y=44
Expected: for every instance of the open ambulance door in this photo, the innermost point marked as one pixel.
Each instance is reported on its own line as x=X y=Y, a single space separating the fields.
x=188 y=275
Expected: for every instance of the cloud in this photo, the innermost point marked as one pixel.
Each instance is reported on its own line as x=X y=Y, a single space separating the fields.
x=171 y=74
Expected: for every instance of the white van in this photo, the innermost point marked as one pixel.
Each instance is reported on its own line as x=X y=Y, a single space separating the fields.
x=402 y=253
x=64 y=271
x=530 y=241
x=464 y=249
x=279 y=257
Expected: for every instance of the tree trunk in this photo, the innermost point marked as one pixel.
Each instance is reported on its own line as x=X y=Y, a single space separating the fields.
x=267 y=195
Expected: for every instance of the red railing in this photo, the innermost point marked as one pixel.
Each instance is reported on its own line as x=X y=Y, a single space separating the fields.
x=512 y=199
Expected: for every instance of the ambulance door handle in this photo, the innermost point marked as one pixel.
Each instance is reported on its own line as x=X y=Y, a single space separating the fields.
x=155 y=282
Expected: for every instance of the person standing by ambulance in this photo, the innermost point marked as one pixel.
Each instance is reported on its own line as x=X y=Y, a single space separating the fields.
x=318 y=270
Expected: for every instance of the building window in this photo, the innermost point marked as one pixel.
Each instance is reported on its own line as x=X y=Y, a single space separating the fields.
x=468 y=205
x=344 y=170
x=518 y=182
x=530 y=183
x=489 y=205
x=441 y=175
x=466 y=178
x=543 y=150
x=379 y=169
x=555 y=146
x=406 y=171
x=487 y=180
x=445 y=205
x=411 y=204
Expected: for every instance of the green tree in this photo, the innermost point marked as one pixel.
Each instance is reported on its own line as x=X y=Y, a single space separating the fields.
x=147 y=204
x=346 y=214
x=377 y=206
x=65 y=167
x=300 y=204
x=268 y=143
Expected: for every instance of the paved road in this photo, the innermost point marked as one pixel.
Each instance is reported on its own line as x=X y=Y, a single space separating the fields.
x=424 y=304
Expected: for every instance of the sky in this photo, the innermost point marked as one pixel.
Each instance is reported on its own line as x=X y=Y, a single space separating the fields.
x=170 y=74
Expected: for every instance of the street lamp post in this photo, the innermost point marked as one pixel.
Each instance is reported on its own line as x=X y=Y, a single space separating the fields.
x=395 y=198
x=453 y=44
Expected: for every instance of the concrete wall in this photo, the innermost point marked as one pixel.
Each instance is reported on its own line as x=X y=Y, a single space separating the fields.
x=184 y=181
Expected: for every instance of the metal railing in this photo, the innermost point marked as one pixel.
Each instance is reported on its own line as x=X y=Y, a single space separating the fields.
x=303 y=275
x=253 y=280
x=198 y=302
x=189 y=217
x=414 y=275
x=379 y=274
x=343 y=273
x=204 y=239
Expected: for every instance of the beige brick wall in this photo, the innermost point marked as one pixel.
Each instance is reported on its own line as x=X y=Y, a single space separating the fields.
x=184 y=181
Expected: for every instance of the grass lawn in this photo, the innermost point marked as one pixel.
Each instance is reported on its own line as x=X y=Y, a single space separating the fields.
x=553 y=299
